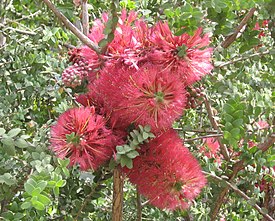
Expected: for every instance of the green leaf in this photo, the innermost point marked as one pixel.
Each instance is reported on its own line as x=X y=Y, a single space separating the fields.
x=140 y=138
x=228 y=108
x=110 y=37
x=28 y=188
x=61 y=183
x=36 y=156
x=226 y=135
x=14 y=132
x=127 y=148
x=237 y=123
x=63 y=162
x=147 y=128
x=235 y=133
x=238 y=114
x=51 y=183
x=132 y=154
x=135 y=142
x=228 y=117
x=21 y=143
x=36 y=191
x=2 y=131
x=120 y=149
x=32 y=182
x=26 y=205
x=42 y=185
x=145 y=135
x=44 y=199
x=126 y=161
x=8 y=179
x=133 y=135
x=38 y=205
x=56 y=191
x=112 y=164
x=9 y=146
x=66 y=171
x=103 y=43
x=228 y=126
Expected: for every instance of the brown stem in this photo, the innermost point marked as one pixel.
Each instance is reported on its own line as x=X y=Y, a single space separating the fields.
x=117 y=195
x=231 y=38
x=236 y=168
x=85 y=17
x=71 y=27
x=215 y=126
x=242 y=194
x=87 y=199
x=197 y=131
x=19 y=30
x=202 y=137
x=139 y=207
x=268 y=143
x=241 y=59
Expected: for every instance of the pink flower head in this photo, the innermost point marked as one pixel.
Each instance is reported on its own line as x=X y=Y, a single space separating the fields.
x=87 y=60
x=261 y=124
x=81 y=135
x=211 y=149
x=167 y=173
x=145 y=96
x=73 y=76
x=184 y=54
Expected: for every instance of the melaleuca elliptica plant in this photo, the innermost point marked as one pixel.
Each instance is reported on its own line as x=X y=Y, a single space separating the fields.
x=135 y=90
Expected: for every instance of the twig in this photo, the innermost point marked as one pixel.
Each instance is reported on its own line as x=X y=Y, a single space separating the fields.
x=18 y=30
x=231 y=38
x=117 y=195
x=139 y=206
x=202 y=137
x=236 y=168
x=197 y=130
x=241 y=59
x=214 y=124
x=268 y=143
x=242 y=194
x=29 y=16
x=69 y=46
x=145 y=203
x=72 y=28
x=88 y=197
x=85 y=17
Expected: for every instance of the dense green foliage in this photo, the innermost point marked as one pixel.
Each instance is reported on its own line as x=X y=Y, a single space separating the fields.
x=35 y=185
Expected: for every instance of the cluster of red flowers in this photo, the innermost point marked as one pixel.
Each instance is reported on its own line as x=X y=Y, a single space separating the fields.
x=140 y=80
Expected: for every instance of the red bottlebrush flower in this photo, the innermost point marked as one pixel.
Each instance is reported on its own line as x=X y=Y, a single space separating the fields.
x=86 y=61
x=261 y=124
x=81 y=135
x=145 y=96
x=184 y=54
x=125 y=47
x=167 y=173
x=74 y=75
x=211 y=149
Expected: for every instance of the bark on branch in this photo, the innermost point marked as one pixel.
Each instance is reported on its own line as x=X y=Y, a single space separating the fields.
x=242 y=194
x=241 y=59
x=117 y=195
x=215 y=126
x=85 y=17
x=236 y=168
x=231 y=38
x=84 y=39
